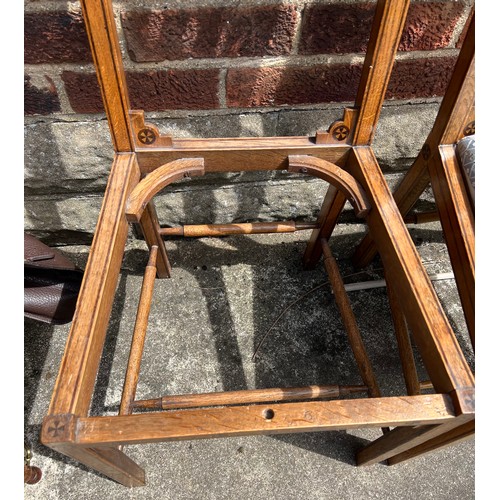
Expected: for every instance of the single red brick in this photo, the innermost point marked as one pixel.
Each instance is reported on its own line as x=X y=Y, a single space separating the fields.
x=416 y=78
x=83 y=92
x=430 y=25
x=40 y=101
x=174 y=89
x=156 y=35
x=345 y=28
x=251 y=87
x=55 y=37
x=336 y=28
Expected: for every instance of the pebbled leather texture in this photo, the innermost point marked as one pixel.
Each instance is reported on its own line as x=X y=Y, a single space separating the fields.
x=466 y=152
x=51 y=283
x=39 y=254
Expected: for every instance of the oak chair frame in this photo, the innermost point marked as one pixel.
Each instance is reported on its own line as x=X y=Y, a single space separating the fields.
x=144 y=163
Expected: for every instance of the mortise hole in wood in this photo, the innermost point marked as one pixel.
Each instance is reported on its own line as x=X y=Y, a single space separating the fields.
x=268 y=414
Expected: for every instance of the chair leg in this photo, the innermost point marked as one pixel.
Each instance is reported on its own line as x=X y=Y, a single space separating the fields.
x=406 y=195
x=462 y=433
x=403 y=440
x=151 y=231
x=417 y=298
x=333 y=205
x=110 y=461
x=404 y=344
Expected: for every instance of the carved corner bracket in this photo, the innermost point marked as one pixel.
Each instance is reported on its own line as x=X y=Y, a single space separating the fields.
x=146 y=134
x=340 y=131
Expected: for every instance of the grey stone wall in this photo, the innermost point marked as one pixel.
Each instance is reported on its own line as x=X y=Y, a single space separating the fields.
x=67 y=161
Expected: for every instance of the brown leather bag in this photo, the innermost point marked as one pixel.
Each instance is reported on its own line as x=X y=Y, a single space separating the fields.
x=51 y=283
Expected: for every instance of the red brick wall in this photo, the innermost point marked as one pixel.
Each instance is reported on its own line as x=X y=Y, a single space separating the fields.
x=214 y=54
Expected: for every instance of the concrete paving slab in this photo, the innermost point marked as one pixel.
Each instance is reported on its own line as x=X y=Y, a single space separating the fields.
x=205 y=325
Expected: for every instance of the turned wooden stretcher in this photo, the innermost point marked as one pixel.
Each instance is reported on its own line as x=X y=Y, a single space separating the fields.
x=145 y=163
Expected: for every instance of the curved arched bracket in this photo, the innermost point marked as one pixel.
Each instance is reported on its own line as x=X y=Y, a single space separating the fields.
x=159 y=179
x=336 y=176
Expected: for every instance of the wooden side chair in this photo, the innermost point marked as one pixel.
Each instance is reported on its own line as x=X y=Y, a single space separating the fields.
x=146 y=162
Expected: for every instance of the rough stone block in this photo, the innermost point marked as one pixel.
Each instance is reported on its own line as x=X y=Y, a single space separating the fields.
x=247 y=124
x=71 y=219
x=66 y=157
x=401 y=134
x=62 y=219
x=67 y=165
x=55 y=164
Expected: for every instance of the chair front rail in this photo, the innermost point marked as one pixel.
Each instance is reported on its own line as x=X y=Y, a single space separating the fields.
x=247 y=420
x=228 y=398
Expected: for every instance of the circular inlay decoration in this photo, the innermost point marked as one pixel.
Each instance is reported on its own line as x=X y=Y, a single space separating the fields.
x=147 y=136
x=56 y=429
x=470 y=129
x=340 y=132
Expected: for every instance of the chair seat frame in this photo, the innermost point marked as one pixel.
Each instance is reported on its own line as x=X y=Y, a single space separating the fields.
x=146 y=162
